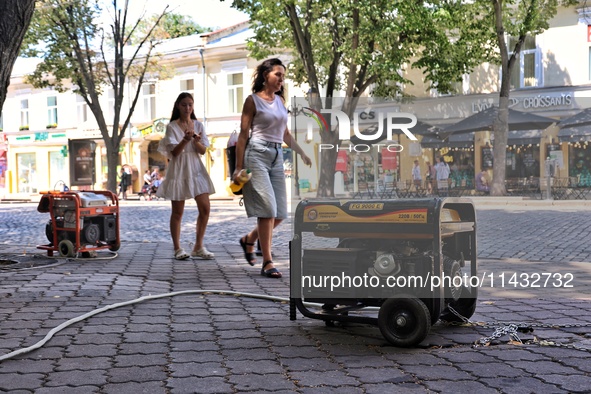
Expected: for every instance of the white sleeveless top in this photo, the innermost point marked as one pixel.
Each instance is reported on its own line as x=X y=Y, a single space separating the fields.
x=270 y=120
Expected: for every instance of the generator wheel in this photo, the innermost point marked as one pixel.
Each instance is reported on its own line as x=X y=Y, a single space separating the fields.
x=434 y=316
x=115 y=247
x=66 y=248
x=404 y=321
x=49 y=232
x=465 y=306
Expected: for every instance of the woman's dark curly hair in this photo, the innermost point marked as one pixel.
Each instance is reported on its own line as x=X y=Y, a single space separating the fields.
x=258 y=78
x=176 y=112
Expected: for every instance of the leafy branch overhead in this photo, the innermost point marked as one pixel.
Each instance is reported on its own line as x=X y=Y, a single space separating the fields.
x=371 y=44
x=91 y=46
x=171 y=25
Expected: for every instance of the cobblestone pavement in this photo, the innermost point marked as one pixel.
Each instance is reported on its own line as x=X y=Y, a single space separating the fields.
x=533 y=233
x=194 y=342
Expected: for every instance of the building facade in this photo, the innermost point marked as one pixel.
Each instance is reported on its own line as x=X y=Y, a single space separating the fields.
x=552 y=79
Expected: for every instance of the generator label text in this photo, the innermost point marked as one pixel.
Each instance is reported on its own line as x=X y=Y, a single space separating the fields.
x=371 y=206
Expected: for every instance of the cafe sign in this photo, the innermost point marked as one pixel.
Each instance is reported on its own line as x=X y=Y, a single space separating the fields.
x=539 y=101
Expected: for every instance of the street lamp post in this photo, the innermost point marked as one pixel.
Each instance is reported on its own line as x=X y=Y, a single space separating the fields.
x=295 y=110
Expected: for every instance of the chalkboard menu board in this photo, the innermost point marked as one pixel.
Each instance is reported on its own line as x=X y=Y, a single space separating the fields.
x=82 y=162
x=487 y=157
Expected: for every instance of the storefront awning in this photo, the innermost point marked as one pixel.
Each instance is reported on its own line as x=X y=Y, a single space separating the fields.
x=485 y=120
x=582 y=118
x=464 y=140
x=575 y=134
x=524 y=137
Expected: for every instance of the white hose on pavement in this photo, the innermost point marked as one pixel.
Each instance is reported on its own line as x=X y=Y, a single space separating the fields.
x=85 y=316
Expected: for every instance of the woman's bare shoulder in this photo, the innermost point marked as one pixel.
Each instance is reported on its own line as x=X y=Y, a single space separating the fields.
x=249 y=106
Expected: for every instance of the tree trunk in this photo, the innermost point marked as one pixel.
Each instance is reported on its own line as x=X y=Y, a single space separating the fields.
x=15 y=16
x=328 y=159
x=501 y=127
x=112 y=163
x=501 y=124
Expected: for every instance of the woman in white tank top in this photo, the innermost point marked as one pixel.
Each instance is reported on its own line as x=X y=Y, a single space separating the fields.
x=264 y=117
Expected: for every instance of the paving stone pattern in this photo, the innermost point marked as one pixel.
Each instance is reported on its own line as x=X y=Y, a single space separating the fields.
x=219 y=343
x=540 y=233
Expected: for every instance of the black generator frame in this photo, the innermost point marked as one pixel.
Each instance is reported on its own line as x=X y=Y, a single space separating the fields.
x=437 y=227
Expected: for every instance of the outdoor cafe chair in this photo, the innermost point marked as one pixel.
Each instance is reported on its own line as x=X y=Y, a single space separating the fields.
x=364 y=191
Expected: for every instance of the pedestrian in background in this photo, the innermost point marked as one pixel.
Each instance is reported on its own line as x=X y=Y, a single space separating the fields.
x=186 y=177
x=416 y=175
x=155 y=175
x=156 y=178
x=430 y=176
x=482 y=181
x=264 y=117
x=124 y=182
x=147 y=178
x=442 y=176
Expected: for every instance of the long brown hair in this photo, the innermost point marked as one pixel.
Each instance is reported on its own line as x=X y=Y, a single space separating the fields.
x=176 y=113
x=258 y=78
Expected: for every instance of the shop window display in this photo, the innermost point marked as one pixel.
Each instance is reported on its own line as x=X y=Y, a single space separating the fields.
x=580 y=163
x=57 y=168
x=365 y=167
x=360 y=168
x=371 y=168
x=27 y=173
x=461 y=165
x=522 y=161
x=388 y=166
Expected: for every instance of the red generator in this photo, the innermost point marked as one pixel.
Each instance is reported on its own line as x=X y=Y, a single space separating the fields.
x=80 y=222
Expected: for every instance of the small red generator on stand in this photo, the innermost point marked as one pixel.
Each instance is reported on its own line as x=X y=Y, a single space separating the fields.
x=80 y=222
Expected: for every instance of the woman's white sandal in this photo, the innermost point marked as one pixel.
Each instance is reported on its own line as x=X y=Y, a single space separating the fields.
x=180 y=254
x=203 y=253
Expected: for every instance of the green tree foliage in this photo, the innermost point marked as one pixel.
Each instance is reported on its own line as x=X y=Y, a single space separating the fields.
x=177 y=25
x=77 y=46
x=356 y=45
x=517 y=19
x=171 y=26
